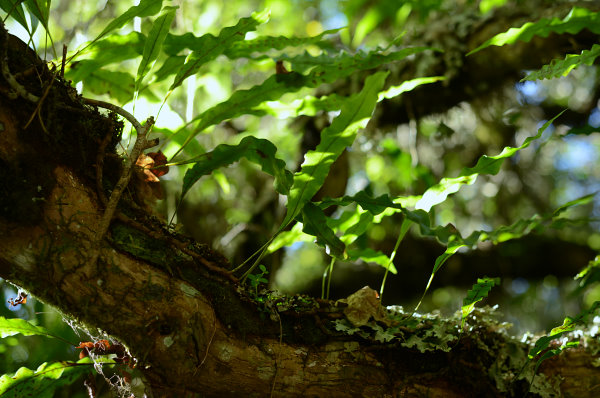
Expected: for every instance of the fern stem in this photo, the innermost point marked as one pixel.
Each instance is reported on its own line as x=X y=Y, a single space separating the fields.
x=406 y=223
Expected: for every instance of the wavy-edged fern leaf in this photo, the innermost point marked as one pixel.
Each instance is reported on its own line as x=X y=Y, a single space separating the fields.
x=485 y=165
x=314 y=223
x=43 y=382
x=355 y=114
x=262 y=44
x=208 y=47
x=10 y=327
x=478 y=292
x=156 y=37
x=248 y=101
x=568 y=325
x=112 y=49
x=577 y=20
x=257 y=150
x=310 y=106
x=562 y=67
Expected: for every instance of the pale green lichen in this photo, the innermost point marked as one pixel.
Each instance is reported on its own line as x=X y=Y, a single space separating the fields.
x=188 y=290
x=168 y=341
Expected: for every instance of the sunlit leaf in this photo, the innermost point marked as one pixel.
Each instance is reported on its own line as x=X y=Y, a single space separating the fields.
x=119 y=85
x=43 y=382
x=485 y=165
x=562 y=67
x=10 y=327
x=14 y=8
x=354 y=115
x=249 y=101
x=478 y=292
x=315 y=224
x=40 y=9
x=310 y=106
x=577 y=20
x=590 y=274
x=408 y=85
x=288 y=238
x=244 y=48
x=256 y=150
x=145 y=8
x=112 y=49
x=369 y=255
x=155 y=39
x=208 y=47
x=569 y=325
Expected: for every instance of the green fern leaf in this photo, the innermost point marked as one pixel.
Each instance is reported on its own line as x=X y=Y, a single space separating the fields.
x=155 y=39
x=112 y=49
x=208 y=47
x=248 y=101
x=43 y=382
x=478 y=292
x=10 y=327
x=315 y=224
x=354 y=115
x=259 y=151
x=562 y=67
x=577 y=20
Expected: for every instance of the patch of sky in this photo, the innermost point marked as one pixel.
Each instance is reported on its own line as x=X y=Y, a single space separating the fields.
x=333 y=17
x=530 y=93
x=579 y=153
x=594 y=118
x=519 y=286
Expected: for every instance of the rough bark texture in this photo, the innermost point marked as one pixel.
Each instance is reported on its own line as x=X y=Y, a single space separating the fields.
x=172 y=302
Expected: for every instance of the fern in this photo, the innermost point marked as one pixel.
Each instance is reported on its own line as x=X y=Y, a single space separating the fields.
x=562 y=67
x=355 y=114
x=209 y=47
x=259 y=151
x=156 y=37
x=577 y=20
x=478 y=292
x=247 y=101
x=46 y=379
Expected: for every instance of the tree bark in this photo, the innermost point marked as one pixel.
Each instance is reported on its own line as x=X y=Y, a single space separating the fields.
x=193 y=328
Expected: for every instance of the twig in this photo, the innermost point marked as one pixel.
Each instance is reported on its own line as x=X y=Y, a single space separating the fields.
x=141 y=143
x=64 y=61
x=39 y=106
x=117 y=109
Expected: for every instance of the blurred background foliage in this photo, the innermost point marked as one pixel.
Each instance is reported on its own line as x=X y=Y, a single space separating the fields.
x=404 y=150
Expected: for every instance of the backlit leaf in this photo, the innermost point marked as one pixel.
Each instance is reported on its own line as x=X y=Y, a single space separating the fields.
x=10 y=327
x=562 y=67
x=577 y=20
x=315 y=224
x=155 y=39
x=256 y=150
x=43 y=382
x=478 y=292
x=354 y=115
x=208 y=47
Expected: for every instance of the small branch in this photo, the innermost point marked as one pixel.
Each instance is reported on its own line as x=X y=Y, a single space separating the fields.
x=111 y=206
x=116 y=109
x=141 y=143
